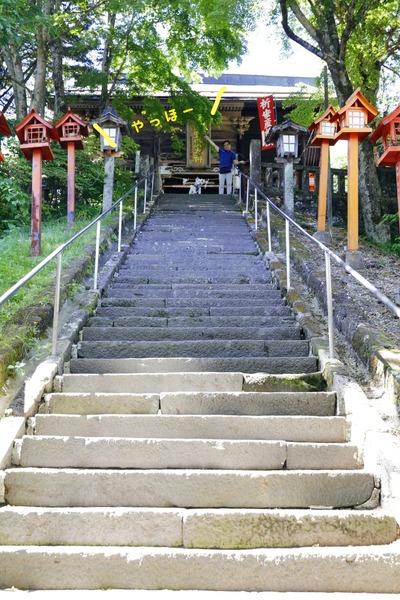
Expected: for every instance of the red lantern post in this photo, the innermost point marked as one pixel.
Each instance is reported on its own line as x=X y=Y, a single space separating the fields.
x=70 y=129
x=352 y=120
x=324 y=136
x=388 y=132
x=35 y=134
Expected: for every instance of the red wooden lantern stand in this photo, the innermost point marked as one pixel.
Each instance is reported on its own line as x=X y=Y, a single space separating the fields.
x=70 y=129
x=388 y=131
x=35 y=134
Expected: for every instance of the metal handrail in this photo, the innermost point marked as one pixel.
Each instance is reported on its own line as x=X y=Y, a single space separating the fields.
x=329 y=254
x=57 y=253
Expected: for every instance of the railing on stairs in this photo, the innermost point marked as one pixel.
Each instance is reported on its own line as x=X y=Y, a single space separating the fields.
x=147 y=182
x=328 y=254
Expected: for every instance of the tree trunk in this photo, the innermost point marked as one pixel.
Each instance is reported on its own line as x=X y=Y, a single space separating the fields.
x=57 y=74
x=372 y=204
x=106 y=63
x=12 y=58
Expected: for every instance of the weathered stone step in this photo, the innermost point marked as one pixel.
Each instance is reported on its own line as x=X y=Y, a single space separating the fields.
x=187 y=528
x=191 y=321
x=189 y=333
x=187 y=488
x=289 y=428
x=197 y=348
x=126 y=298
x=164 y=453
x=259 y=290
x=181 y=403
x=119 y=289
x=152 y=382
x=295 y=367
x=244 y=311
x=249 y=403
x=340 y=569
x=199 y=279
x=101 y=403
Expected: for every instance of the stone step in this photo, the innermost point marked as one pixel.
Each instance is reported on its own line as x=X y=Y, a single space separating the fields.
x=152 y=382
x=132 y=299
x=289 y=428
x=295 y=369
x=180 y=403
x=275 y=570
x=197 y=348
x=190 y=289
x=206 y=322
x=164 y=453
x=187 y=488
x=189 y=333
x=199 y=279
x=124 y=289
x=191 y=528
x=212 y=311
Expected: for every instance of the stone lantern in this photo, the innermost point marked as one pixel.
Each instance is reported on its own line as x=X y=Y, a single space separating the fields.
x=35 y=134
x=286 y=137
x=70 y=129
x=112 y=125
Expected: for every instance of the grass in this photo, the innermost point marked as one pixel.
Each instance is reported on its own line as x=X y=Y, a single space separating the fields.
x=16 y=262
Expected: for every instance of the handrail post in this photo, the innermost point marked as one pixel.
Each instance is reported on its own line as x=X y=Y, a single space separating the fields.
x=96 y=260
x=269 y=228
x=247 y=195
x=152 y=186
x=56 y=303
x=145 y=194
x=329 y=304
x=135 y=209
x=240 y=187
x=255 y=209
x=287 y=255
x=120 y=227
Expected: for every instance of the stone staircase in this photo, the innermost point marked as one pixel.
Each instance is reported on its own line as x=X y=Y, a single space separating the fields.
x=192 y=444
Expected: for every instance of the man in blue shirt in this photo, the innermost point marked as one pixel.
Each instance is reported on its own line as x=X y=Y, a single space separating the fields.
x=227 y=158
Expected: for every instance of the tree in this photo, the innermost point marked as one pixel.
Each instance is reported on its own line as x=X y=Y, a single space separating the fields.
x=148 y=45
x=359 y=40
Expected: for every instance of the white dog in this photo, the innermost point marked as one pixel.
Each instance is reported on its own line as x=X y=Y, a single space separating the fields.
x=195 y=188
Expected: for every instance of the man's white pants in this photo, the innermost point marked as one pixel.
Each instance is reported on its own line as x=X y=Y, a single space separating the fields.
x=225 y=178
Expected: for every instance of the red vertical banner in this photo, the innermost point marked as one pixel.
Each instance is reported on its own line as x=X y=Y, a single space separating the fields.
x=266 y=115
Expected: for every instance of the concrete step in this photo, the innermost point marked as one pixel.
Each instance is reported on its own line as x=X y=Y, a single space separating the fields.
x=199 y=279
x=179 y=403
x=282 y=570
x=289 y=428
x=187 y=488
x=197 y=348
x=164 y=453
x=295 y=369
x=191 y=528
x=189 y=333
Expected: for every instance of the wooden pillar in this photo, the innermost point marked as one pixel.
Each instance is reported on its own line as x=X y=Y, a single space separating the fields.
x=323 y=186
x=71 y=184
x=36 y=216
x=352 y=194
